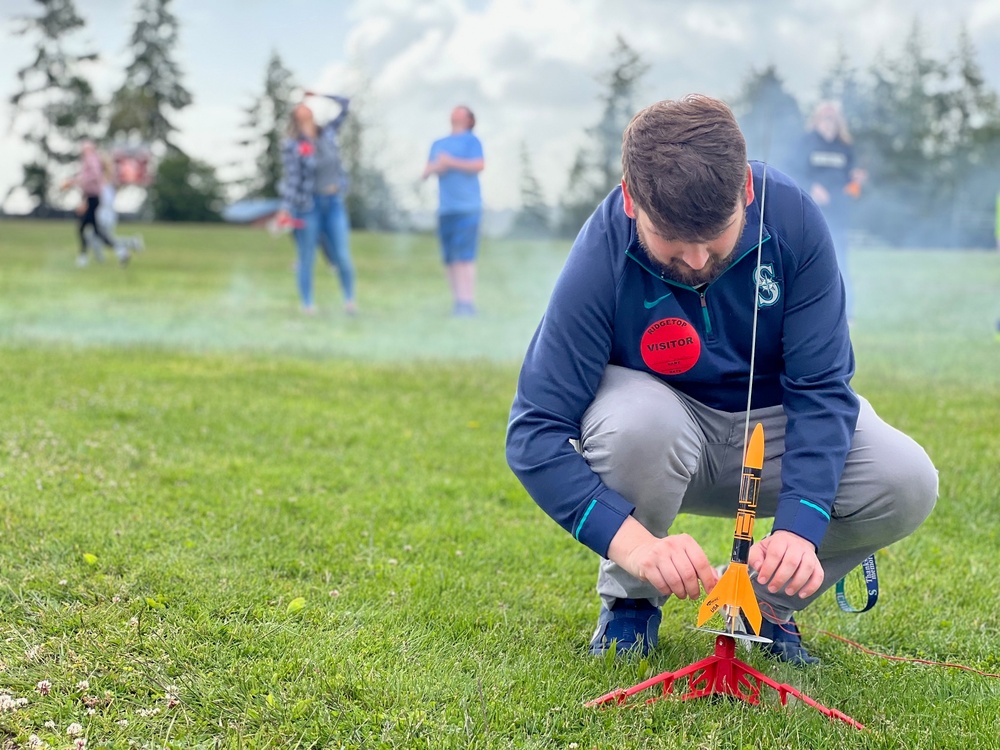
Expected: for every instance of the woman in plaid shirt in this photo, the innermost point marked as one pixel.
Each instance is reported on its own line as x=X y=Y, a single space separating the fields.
x=313 y=187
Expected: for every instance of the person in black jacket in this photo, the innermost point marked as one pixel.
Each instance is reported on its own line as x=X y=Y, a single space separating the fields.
x=830 y=176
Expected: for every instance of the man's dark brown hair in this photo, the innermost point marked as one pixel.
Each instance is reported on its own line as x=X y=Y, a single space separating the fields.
x=685 y=164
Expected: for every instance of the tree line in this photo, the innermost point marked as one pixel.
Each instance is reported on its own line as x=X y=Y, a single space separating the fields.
x=55 y=108
x=926 y=129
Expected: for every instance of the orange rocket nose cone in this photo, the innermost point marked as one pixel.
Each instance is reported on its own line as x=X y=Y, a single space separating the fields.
x=755 y=450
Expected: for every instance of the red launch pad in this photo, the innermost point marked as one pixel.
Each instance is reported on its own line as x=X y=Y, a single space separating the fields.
x=720 y=674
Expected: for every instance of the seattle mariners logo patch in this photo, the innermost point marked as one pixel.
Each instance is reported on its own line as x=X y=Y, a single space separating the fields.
x=768 y=290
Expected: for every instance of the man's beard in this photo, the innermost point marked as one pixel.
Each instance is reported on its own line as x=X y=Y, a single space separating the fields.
x=679 y=271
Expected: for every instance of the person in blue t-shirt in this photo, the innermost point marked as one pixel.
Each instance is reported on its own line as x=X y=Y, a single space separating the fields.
x=457 y=160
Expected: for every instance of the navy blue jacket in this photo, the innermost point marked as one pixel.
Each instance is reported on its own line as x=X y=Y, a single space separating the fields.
x=830 y=164
x=611 y=306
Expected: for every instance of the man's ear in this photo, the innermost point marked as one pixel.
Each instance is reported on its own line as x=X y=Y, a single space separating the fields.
x=749 y=186
x=629 y=205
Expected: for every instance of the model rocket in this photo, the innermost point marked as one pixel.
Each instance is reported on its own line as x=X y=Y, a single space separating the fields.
x=734 y=591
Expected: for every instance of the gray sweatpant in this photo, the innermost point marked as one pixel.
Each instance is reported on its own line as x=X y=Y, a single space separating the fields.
x=666 y=453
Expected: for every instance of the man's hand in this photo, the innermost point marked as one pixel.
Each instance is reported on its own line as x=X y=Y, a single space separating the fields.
x=433 y=167
x=674 y=564
x=786 y=561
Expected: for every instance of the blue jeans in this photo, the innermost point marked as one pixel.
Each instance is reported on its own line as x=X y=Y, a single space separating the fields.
x=327 y=225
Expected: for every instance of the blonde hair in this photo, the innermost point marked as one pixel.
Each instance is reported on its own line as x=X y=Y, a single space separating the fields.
x=830 y=108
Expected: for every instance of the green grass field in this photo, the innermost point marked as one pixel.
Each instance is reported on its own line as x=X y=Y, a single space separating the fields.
x=229 y=526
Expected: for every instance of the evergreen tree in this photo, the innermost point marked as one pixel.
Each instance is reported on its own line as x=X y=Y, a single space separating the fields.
x=842 y=84
x=597 y=167
x=186 y=190
x=621 y=81
x=581 y=195
x=266 y=122
x=533 y=218
x=928 y=132
x=371 y=202
x=902 y=113
x=770 y=119
x=971 y=127
x=55 y=102
x=152 y=88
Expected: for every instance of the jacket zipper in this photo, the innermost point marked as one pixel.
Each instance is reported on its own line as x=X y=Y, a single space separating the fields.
x=701 y=294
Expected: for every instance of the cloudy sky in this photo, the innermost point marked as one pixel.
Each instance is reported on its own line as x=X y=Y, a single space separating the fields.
x=527 y=67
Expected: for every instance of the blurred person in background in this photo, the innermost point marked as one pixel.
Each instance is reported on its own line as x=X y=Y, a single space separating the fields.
x=457 y=160
x=313 y=189
x=90 y=180
x=106 y=218
x=828 y=173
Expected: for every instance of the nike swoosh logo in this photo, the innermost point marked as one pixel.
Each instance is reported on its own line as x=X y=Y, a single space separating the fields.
x=650 y=305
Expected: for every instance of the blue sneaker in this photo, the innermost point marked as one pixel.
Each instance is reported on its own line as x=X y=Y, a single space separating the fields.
x=786 y=644
x=632 y=624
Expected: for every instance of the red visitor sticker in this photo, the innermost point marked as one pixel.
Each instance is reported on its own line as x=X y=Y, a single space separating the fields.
x=670 y=346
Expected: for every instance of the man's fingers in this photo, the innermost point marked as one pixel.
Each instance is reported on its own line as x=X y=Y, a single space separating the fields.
x=803 y=575
x=756 y=557
x=673 y=579
x=669 y=580
x=655 y=579
x=689 y=577
x=815 y=581
x=705 y=572
x=772 y=556
x=789 y=565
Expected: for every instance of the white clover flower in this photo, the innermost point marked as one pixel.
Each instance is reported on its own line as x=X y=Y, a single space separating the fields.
x=74 y=729
x=44 y=687
x=10 y=703
x=83 y=686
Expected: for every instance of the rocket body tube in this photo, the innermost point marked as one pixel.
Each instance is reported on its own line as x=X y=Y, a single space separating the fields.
x=734 y=591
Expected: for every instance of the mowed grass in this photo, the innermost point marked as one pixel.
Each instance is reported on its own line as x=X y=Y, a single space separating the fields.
x=244 y=528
